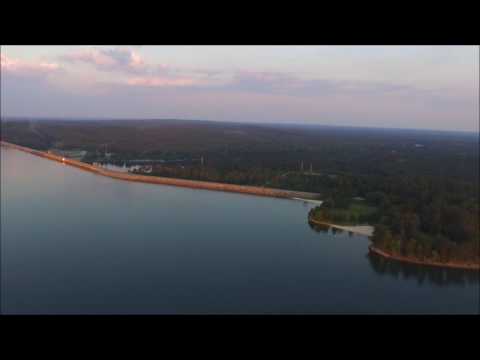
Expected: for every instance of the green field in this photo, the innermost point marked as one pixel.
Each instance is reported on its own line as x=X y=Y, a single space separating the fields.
x=357 y=212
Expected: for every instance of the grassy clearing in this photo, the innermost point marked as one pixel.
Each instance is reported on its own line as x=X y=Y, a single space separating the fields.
x=357 y=212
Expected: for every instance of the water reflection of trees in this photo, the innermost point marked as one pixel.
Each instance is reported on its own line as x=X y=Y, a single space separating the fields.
x=325 y=229
x=431 y=274
x=397 y=269
x=320 y=228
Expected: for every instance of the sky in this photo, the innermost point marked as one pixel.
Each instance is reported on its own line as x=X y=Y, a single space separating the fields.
x=425 y=87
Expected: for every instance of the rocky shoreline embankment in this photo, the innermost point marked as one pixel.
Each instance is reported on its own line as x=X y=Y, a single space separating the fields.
x=194 y=184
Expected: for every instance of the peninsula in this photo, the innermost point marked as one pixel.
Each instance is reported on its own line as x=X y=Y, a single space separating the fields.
x=354 y=216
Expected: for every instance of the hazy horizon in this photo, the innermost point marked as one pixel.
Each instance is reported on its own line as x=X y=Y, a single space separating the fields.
x=285 y=123
x=392 y=87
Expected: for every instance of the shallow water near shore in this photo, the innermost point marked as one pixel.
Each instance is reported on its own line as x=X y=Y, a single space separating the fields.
x=73 y=242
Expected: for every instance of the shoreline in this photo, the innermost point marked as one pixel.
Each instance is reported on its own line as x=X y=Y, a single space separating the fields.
x=365 y=230
x=402 y=258
x=192 y=184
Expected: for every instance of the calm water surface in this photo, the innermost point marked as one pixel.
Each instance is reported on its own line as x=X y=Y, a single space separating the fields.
x=75 y=242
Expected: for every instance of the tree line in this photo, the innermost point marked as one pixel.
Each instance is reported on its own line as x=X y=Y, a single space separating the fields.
x=422 y=217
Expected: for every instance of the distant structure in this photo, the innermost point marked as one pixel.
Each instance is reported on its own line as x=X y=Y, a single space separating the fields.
x=201 y=160
x=301 y=166
x=107 y=154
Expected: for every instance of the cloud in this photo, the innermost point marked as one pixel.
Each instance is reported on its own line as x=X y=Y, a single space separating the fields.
x=117 y=59
x=288 y=84
x=136 y=71
x=24 y=68
x=141 y=89
x=351 y=98
x=263 y=83
x=160 y=81
x=269 y=82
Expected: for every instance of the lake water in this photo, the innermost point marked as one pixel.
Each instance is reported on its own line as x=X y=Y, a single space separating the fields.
x=77 y=243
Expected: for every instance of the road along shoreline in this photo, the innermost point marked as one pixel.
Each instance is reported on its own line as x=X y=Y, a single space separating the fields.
x=193 y=184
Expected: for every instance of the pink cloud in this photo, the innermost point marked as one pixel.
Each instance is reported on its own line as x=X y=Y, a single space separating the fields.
x=159 y=81
x=117 y=59
x=92 y=56
x=20 y=67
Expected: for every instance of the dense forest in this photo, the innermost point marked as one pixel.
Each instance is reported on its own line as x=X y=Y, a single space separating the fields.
x=419 y=188
x=423 y=217
x=230 y=146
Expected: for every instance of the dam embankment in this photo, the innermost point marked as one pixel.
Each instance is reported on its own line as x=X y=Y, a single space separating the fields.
x=194 y=184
